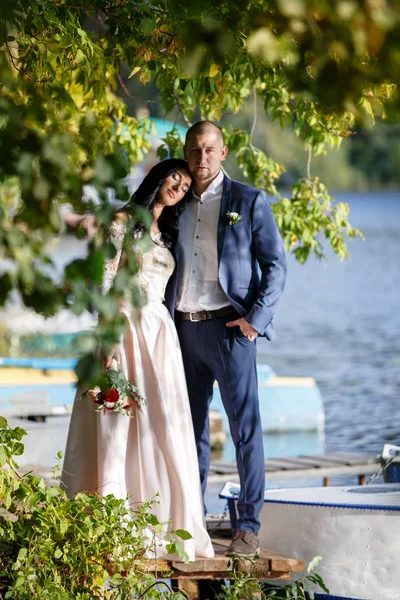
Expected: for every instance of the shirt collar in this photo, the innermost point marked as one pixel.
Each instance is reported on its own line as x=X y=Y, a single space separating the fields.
x=215 y=186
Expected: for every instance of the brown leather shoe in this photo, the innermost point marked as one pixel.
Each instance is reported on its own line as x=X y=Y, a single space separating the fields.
x=244 y=543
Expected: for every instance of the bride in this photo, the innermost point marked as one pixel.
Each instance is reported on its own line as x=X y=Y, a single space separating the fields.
x=154 y=452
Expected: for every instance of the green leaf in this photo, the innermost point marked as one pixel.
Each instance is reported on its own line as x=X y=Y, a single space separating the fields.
x=18 y=449
x=3 y=455
x=19 y=433
x=171 y=548
x=22 y=553
x=149 y=25
x=79 y=56
x=153 y=520
x=58 y=553
x=3 y=422
x=7 y=501
x=183 y=534
x=19 y=582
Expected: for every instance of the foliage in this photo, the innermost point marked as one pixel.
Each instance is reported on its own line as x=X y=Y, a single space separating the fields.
x=247 y=586
x=312 y=210
x=89 y=547
x=317 y=67
x=83 y=548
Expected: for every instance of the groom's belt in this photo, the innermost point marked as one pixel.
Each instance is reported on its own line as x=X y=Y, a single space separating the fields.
x=206 y=315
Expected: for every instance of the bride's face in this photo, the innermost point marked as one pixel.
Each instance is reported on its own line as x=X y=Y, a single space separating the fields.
x=174 y=187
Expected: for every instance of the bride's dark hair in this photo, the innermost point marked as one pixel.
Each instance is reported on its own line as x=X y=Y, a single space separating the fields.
x=146 y=195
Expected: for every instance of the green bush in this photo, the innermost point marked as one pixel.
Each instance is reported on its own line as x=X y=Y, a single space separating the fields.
x=83 y=548
x=89 y=547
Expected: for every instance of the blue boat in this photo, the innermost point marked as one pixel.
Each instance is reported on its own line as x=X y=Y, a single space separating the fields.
x=40 y=387
x=286 y=403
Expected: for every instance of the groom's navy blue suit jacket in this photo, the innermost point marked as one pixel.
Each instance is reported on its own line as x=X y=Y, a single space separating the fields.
x=251 y=257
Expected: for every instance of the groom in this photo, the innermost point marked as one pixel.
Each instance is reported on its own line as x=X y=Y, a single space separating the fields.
x=230 y=274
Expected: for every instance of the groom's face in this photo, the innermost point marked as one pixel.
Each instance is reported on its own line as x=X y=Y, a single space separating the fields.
x=204 y=152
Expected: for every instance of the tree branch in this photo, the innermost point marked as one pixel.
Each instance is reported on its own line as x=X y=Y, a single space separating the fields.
x=127 y=92
x=12 y=58
x=178 y=102
x=309 y=157
x=254 y=115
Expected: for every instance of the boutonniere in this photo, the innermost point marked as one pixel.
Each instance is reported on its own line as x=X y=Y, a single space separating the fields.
x=233 y=217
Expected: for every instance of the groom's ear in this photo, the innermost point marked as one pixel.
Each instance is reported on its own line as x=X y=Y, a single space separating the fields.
x=224 y=152
x=184 y=151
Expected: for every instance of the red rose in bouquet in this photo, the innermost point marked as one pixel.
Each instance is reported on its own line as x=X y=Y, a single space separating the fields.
x=116 y=394
x=110 y=398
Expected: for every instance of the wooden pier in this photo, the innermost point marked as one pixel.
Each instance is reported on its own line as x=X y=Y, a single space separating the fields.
x=313 y=466
x=186 y=576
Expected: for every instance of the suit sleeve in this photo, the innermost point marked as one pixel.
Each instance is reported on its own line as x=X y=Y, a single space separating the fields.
x=269 y=252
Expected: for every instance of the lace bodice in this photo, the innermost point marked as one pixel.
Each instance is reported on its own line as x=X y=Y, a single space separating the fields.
x=157 y=264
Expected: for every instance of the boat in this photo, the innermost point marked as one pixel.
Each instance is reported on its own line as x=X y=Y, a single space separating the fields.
x=287 y=404
x=40 y=387
x=355 y=529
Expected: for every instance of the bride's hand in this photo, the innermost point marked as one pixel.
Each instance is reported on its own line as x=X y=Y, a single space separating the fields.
x=114 y=354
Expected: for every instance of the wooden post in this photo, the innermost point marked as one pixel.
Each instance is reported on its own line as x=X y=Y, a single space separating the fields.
x=190 y=587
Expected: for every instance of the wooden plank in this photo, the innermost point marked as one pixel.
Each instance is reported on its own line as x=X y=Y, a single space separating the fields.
x=318 y=466
x=335 y=458
x=287 y=474
x=223 y=463
x=283 y=463
x=322 y=460
x=355 y=457
x=156 y=564
x=222 y=469
x=278 y=562
x=309 y=461
x=217 y=564
x=338 y=471
x=268 y=565
x=281 y=575
x=227 y=575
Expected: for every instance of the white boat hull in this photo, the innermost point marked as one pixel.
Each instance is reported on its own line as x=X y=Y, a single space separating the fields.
x=355 y=530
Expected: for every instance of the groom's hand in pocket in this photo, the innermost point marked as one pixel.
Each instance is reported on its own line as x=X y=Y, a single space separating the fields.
x=245 y=327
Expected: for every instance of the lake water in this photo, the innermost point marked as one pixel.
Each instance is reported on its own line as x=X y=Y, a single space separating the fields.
x=339 y=323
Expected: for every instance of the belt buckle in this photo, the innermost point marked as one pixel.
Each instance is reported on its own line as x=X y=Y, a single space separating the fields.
x=203 y=315
x=192 y=319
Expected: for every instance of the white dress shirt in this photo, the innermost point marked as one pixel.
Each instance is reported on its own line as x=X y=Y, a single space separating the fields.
x=198 y=286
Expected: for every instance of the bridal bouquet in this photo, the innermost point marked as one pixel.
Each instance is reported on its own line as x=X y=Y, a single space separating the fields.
x=115 y=394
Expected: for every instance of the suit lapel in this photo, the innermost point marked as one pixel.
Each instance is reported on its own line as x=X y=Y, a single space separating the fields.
x=175 y=250
x=223 y=221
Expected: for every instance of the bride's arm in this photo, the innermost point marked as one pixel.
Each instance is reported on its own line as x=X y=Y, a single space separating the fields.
x=117 y=233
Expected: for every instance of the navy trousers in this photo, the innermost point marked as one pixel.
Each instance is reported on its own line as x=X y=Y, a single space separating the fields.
x=211 y=351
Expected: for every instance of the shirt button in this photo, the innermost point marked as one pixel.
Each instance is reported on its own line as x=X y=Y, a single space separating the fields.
x=193 y=271
x=198 y=220
x=201 y=201
x=195 y=253
x=197 y=237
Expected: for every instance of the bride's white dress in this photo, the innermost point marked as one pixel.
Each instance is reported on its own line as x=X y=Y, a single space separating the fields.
x=153 y=453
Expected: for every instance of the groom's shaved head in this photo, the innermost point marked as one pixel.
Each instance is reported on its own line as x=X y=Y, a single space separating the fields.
x=201 y=128
x=204 y=150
